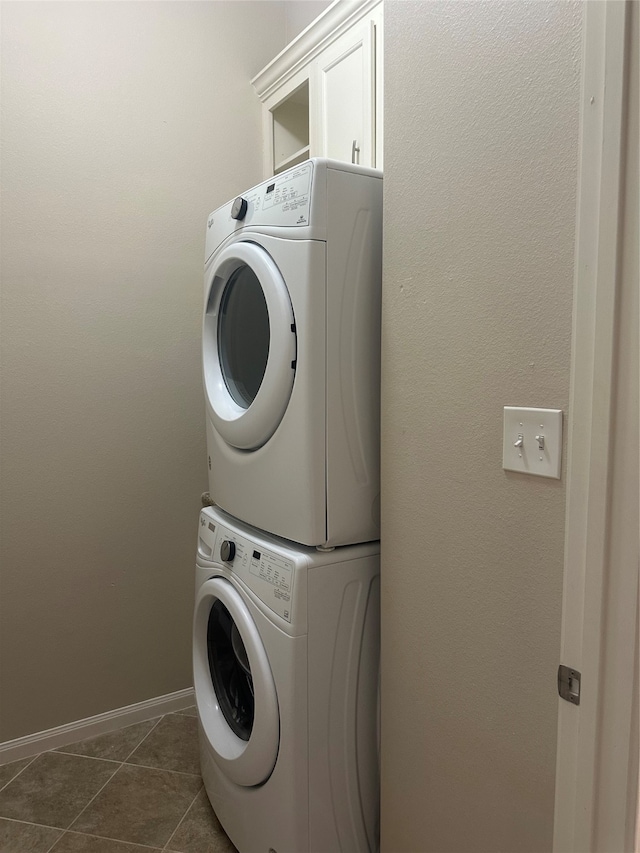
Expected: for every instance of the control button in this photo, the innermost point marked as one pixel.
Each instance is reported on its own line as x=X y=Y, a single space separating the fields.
x=239 y=208
x=228 y=551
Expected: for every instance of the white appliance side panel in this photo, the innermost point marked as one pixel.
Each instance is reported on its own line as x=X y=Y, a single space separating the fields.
x=344 y=653
x=280 y=487
x=354 y=287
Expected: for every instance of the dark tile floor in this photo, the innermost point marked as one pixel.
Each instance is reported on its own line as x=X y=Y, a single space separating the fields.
x=134 y=790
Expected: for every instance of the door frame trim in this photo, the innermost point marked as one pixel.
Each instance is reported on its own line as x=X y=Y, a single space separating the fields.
x=592 y=428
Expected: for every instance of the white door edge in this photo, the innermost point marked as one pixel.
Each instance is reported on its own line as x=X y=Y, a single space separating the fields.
x=580 y=810
x=248 y=762
x=251 y=427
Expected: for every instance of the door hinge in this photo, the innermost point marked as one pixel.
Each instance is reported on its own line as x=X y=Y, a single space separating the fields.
x=569 y=684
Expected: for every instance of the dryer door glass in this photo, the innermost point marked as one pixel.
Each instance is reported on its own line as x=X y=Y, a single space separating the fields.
x=243 y=335
x=230 y=671
x=249 y=345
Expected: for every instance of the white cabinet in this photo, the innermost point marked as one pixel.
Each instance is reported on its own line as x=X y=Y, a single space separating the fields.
x=322 y=95
x=347 y=96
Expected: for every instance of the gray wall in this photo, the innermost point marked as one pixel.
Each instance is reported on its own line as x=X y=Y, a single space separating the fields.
x=301 y=13
x=481 y=143
x=123 y=125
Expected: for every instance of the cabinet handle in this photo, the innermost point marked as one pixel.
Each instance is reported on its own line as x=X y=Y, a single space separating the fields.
x=354 y=150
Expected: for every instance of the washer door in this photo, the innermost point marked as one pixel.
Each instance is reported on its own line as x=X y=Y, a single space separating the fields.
x=248 y=346
x=234 y=687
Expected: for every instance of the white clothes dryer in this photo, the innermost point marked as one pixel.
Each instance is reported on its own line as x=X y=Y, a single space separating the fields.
x=285 y=659
x=291 y=354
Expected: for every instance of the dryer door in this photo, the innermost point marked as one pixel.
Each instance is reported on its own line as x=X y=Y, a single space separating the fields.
x=248 y=345
x=234 y=687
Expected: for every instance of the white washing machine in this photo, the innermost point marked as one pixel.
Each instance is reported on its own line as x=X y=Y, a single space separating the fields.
x=291 y=354
x=285 y=659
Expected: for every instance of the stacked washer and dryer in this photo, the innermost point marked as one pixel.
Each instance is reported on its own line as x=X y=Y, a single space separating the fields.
x=286 y=626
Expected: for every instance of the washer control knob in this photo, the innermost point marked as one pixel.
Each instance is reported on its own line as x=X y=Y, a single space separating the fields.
x=239 y=208
x=228 y=551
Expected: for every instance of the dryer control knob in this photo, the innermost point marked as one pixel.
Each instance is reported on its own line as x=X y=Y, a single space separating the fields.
x=239 y=208
x=228 y=551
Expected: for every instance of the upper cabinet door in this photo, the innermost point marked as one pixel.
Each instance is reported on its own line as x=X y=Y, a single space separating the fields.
x=347 y=90
x=322 y=94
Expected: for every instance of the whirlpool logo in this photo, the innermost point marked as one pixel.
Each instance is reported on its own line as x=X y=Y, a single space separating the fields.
x=210 y=222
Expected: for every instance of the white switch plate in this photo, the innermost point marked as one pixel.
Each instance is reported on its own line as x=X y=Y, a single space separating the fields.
x=524 y=431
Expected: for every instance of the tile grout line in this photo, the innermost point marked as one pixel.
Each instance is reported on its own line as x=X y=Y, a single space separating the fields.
x=82 y=811
x=150 y=766
x=139 y=744
x=61 y=751
x=13 y=778
x=161 y=769
x=119 y=761
x=100 y=838
x=31 y=823
x=62 y=834
x=59 y=838
x=78 y=755
x=180 y=822
x=40 y=826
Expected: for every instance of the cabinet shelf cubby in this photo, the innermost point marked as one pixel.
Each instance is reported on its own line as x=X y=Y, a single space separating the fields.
x=291 y=129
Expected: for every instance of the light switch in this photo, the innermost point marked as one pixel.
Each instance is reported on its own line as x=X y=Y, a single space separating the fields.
x=532 y=442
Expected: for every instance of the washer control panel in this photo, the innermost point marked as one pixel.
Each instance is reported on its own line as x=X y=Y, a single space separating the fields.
x=275 y=573
x=267 y=573
x=228 y=551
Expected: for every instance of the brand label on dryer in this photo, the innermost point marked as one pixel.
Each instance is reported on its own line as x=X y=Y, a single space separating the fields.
x=277 y=572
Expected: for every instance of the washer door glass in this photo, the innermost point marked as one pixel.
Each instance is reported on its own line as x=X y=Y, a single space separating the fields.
x=248 y=345
x=230 y=671
x=234 y=686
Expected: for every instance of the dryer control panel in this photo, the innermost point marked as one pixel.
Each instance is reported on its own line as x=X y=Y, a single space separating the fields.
x=267 y=573
x=282 y=201
x=287 y=196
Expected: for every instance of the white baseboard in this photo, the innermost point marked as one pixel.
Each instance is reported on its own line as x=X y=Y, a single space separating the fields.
x=25 y=747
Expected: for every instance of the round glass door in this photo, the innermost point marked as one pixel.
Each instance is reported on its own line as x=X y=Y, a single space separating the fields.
x=234 y=686
x=230 y=671
x=248 y=346
x=243 y=335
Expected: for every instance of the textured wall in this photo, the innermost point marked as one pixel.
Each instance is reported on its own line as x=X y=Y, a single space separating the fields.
x=123 y=125
x=481 y=142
